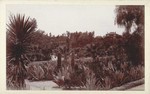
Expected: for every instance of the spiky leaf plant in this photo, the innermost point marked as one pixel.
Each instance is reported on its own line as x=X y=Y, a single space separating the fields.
x=19 y=32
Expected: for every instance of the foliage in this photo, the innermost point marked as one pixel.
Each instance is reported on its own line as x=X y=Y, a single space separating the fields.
x=41 y=71
x=19 y=32
x=13 y=77
x=103 y=74
x=127 y=16
x=91 y=81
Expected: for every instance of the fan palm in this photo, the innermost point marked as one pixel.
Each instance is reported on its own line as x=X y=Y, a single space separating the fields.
x=127 y=15
x=19 y=32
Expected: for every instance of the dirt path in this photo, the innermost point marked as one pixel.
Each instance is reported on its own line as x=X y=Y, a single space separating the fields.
x=50 y=85
x=137 y=88
x=134 y=85
x=41 y=85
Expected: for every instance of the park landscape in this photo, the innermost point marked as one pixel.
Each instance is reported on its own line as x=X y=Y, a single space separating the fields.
x=78 y=60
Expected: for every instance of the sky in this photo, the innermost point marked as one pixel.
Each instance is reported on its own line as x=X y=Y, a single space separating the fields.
x=57 y=19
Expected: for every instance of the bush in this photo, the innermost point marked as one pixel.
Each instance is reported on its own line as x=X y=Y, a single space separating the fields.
x=41 y=71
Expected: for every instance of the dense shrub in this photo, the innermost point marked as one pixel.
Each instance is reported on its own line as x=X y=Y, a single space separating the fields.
x=104 y=73
x=41 y=71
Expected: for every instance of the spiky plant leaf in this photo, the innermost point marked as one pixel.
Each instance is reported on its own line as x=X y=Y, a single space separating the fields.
x=19 y=31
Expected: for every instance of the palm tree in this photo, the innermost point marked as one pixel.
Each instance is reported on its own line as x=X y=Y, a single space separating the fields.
x=127 y=16
x=19 y=32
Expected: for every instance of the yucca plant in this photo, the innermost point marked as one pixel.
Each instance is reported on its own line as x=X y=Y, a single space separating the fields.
x=42 y=71
x=19 y=32
x=35 y=73
x=92 y=82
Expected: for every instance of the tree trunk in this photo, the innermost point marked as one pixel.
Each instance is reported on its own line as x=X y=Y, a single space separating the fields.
x=59 y=61
x=72 y=60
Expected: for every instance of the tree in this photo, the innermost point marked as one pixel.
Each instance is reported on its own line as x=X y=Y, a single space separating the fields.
x=128 y=16
x=19 y=32
x=59 y=61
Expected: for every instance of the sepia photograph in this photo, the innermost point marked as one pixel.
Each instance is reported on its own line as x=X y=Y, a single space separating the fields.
x=75 y=47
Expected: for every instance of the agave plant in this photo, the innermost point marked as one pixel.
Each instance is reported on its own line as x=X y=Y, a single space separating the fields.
x=19 y=32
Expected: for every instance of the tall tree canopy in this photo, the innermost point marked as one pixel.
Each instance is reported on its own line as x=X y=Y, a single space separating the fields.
x=129 y=16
